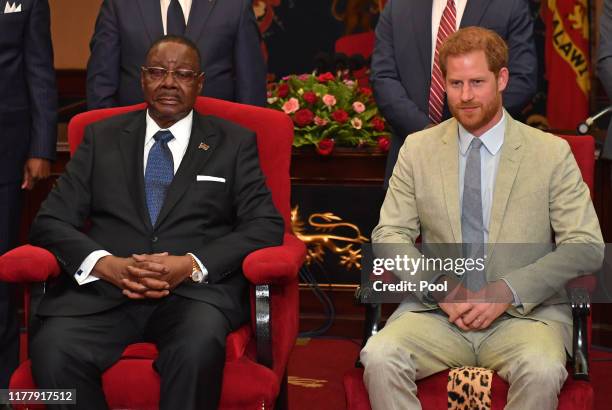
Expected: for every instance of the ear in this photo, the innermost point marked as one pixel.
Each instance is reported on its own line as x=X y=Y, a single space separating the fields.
x=200 y=83
x=142 y=79
x=502 y=79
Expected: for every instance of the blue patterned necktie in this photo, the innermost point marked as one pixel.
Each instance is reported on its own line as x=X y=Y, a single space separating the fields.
x=159 y=173
x=472 y=225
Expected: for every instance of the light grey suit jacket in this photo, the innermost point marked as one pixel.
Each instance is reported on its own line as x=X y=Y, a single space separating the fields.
x=539 y=194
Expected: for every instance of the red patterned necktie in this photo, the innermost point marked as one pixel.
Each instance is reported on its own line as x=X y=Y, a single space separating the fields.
x=436 y=92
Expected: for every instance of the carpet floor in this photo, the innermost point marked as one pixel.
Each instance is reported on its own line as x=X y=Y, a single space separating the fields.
x=316 y=368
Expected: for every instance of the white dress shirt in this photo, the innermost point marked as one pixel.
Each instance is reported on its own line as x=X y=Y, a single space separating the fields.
x=181 y=131
x=185 y=5
x=437 y=9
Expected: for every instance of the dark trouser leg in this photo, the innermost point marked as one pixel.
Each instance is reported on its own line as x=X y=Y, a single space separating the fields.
x=9 y=324
x=73 y=352
x=190 y=336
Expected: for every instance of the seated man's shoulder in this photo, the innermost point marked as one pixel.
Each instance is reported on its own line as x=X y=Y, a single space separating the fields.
x=226 y=128
x=543 y=143
x=110 y=125
x=423 y=145
x=424 y=141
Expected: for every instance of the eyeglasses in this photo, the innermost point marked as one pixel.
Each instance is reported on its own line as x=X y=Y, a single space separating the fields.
x=160 y=73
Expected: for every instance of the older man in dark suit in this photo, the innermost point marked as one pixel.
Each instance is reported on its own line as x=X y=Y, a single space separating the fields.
x=225 y=33
x=406 y=78
x=28 y=111
x=175 y=202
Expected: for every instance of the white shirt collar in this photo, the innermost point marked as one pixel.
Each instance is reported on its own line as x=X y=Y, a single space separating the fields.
x=493 y=139
x=180 y=129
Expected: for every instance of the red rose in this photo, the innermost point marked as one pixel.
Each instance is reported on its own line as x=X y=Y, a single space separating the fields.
x=325 y=147
x=378 y=124
x=340 y=116
x=283 y=90
x=365 y=91
x=303 y=117
x=383 y=143
x=310 y=97
x=325 y=77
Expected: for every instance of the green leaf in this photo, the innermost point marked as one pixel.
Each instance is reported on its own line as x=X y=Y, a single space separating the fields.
x=368 y=114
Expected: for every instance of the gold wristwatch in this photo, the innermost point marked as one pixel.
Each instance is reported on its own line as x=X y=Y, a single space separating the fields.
x=197 y=276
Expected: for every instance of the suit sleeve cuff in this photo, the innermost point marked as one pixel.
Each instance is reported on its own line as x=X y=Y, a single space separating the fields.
x=83 y=274
x=202 y=267
x=516 y=301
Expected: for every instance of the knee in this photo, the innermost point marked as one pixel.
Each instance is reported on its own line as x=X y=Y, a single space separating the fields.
x=49 y=359
x=382 y=355
x=541 y=368
x=199 y=352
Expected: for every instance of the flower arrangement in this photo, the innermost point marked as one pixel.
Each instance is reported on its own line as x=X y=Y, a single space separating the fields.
x=329 y=111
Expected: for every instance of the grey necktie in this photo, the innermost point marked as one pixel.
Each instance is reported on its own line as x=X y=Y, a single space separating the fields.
x=472 y=226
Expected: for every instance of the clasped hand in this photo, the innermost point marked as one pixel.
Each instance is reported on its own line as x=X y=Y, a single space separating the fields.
x=145 y=276
x=476 y=310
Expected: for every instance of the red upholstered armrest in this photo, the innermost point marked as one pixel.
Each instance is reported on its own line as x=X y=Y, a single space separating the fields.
x=28 y=264
x=277 y=264
x=588 y=282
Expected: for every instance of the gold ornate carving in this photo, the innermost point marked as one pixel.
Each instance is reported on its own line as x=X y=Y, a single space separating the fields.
x=305 y=382
x=328 y=236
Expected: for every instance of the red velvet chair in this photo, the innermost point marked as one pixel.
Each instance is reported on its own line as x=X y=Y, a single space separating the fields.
x=577 y=392
x=361 y=43
x=257 y=354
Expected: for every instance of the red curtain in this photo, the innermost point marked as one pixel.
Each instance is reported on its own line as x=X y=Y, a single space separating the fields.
x=567 y=62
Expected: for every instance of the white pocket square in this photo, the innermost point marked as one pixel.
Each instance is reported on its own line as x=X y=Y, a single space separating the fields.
x=12 y=8
x=209 y=178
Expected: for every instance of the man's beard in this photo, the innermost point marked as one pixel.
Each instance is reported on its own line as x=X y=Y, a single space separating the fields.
x=478 y=119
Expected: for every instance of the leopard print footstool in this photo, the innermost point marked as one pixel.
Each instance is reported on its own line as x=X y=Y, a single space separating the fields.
x=469 y=388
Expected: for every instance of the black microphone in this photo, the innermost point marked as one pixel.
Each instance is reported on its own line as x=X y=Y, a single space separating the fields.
x=583 y=127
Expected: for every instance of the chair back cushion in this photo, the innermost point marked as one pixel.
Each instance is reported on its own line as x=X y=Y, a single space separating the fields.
x=583 y=148
x=361 y=43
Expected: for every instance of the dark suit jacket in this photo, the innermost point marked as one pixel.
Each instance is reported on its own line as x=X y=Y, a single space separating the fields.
x=28 y=97
x=225 y=32
x=401 y=62
x=219 y=222
x=604 y=64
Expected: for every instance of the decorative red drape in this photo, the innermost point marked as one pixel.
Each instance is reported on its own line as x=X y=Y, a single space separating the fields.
x=567 y=62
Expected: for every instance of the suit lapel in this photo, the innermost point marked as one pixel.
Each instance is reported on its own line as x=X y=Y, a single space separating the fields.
x=474 y=10
x=510 y=161
x=193 y=161
x=131 y=145
x=200 y=10
x=449 y=169
x=421 y=20
x=151 y=15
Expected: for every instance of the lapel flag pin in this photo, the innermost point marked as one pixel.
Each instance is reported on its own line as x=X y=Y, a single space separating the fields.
x=203 y=146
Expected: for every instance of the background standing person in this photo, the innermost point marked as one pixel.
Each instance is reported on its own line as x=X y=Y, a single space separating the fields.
x=406 y=77
x=224 y=31
x=28 y=129
x=604 y=64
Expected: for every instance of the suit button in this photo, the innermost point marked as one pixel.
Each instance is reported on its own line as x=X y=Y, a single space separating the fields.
x=154 y=239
